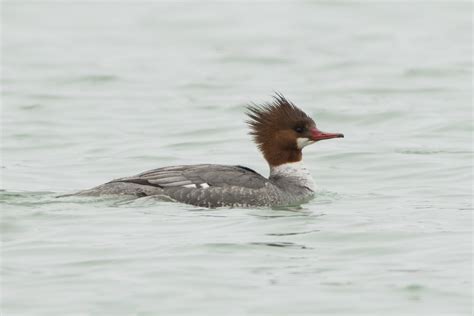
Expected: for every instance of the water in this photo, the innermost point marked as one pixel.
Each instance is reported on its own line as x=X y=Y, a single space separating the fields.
x=95 y=91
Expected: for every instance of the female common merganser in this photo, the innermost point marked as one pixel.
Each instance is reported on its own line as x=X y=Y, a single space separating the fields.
x=280 y=130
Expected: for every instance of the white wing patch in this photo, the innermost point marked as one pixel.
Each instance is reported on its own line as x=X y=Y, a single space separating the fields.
x=194 y=186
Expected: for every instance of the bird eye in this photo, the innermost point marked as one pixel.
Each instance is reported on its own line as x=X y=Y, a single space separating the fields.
x=299 y=129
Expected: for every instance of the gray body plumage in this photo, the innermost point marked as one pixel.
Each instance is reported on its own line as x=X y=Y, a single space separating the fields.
x=210 y=186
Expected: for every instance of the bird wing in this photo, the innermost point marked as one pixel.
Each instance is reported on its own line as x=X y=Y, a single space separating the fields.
x=199 y=176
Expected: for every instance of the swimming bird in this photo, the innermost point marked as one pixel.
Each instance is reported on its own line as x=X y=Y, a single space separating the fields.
x=280 y=130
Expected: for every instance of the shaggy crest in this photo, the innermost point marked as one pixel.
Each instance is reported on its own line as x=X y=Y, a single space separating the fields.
x=270 y=117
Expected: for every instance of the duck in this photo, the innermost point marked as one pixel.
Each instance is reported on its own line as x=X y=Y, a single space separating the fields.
x=279 y=129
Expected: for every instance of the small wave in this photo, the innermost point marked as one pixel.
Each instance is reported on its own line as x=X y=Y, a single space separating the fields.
x=294 y=233
x=435 y=72
x=95 y=79
x=275 y=244
x=427 y=151
x=280 y=244
x=255 y=60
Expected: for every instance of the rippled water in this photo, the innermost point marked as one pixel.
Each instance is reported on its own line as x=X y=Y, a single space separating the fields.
x=95 y=91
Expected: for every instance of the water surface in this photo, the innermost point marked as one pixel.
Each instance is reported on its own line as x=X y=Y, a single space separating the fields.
x=95 y=91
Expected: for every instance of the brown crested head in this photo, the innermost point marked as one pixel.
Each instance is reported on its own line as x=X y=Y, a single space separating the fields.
x=281 y=130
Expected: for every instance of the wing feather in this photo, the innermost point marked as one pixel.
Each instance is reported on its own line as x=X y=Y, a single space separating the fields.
x=201 y=176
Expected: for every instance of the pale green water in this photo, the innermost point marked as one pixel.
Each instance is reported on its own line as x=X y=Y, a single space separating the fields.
x=94 y=91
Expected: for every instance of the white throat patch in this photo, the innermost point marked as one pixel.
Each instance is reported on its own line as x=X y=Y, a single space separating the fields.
x=303 y=141
x=295 y=170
